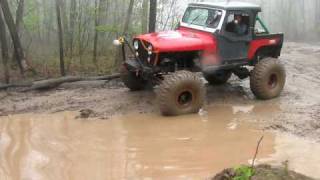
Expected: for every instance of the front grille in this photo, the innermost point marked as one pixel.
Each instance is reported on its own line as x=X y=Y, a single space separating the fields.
x=143 y=54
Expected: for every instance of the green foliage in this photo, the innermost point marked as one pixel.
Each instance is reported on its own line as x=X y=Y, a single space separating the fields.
x=32 y=18
x=107 y=28
x=31 y=21
x=91 y=11
x=243 y=173
x=135 y=30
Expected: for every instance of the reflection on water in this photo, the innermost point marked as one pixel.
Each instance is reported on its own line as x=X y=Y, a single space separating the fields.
x=58 y=146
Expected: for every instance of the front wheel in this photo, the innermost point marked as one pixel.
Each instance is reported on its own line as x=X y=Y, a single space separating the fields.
x=131 y=80
x=267 y=79
x=182 y=92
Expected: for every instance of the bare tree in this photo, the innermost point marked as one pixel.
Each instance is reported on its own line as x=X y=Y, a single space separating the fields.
x=125 y=30
x=128 y=17
x=145 y=14
x=19 y=19
x=317 y=17
x=153 y=16
x=19 y=15
x=96 y=33
x=169 y=14
x=65 y=24
x=99 y=8
x=73 y=15
x=60 y=34
x=14 y=35
x=4 y=49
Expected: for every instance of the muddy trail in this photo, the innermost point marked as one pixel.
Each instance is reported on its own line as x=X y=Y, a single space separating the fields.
x=296 y=111
x=43 y=134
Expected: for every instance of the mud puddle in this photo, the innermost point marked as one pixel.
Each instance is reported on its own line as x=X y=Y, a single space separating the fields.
x=135 y=146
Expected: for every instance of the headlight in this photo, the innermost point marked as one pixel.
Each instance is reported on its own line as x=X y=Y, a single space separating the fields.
x=119 y=41
x=150 y=49
x=136 y=44
x=116 y=42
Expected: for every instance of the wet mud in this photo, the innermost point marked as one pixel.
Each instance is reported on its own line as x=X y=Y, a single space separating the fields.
x=143 y=146
x=296 y=110
x=60 y=146
x=44 y=135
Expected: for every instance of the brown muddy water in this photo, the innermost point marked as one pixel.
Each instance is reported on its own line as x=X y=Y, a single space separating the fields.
x=140 y=146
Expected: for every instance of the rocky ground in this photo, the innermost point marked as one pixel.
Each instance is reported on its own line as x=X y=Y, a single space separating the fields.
x=296 y=111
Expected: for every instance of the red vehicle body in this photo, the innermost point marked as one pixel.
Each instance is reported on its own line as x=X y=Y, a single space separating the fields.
x=217 y=39
x=186 y=39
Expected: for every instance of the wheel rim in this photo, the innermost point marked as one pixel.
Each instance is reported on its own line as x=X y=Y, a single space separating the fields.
x=185 y=98
x=273 y=81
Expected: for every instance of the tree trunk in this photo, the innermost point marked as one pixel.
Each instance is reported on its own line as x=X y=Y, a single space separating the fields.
x=96 y=33
x=119 y=55
x=101 y=7
x=318 y=17
x=14 y=35
x=144 y=18
x=153 y=16
x=4 y=49
x=60 y=34
x=73 y=16
x=65 y=24
x=128 y=17
x=19 y=20
x=19 y=15
x=172 y=4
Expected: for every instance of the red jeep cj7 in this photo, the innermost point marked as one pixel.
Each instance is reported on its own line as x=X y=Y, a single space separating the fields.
x=217 y=39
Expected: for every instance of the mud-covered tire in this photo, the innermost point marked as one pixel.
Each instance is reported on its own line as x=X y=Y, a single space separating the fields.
x=267 y=79
x=217 y=78
x=131 y=81
x=182 y=92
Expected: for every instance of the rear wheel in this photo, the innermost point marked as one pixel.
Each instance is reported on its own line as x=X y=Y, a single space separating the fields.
x=132 y=81
x=218 y=77
x=267 y=79
x=181 y=93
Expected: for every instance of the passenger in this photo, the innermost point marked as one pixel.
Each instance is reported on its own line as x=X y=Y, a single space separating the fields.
x=240 y=27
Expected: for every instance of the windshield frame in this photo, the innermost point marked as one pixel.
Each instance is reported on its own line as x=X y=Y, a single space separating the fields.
x=204 y=28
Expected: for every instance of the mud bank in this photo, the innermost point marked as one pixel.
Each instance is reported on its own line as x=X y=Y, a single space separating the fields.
x=264 y=172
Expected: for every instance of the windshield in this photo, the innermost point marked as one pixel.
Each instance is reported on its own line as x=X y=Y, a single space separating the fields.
x=202 y=17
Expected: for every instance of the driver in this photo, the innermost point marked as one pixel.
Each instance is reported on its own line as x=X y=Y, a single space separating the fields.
x=240 y=27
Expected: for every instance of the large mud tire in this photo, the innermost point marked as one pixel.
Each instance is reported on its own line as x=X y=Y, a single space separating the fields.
x=133 y=82
x=267 y=79
x=182 y=92
x=217 y=78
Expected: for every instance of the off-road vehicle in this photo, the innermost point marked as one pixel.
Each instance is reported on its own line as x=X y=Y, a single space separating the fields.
x=216 y=39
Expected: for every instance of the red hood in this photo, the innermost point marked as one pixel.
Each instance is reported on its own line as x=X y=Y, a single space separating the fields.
x=183 y=39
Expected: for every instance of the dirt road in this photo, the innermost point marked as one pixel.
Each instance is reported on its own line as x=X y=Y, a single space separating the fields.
x=296 y=111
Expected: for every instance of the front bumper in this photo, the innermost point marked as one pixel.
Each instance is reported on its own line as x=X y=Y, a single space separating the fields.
x=133 y=65
x=139 y=62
